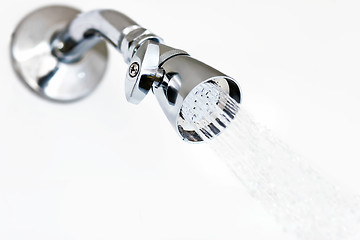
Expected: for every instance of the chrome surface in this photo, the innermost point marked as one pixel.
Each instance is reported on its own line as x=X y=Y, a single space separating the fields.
x=61 y=55
x=89 y=28
x=44 y=73
x=146 y=59
x=149 y=57
x=131 y=41
x=181 y=75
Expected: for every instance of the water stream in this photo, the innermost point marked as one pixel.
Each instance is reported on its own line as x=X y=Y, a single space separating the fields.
x=299 y=198
x=294 y=193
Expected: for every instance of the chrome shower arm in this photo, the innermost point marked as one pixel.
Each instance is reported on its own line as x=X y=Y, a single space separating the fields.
x=89 y=28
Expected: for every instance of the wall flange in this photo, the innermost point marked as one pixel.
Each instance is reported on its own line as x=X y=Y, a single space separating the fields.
x=43 y=72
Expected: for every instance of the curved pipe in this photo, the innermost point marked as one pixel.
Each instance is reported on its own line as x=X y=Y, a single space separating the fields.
x=89 y=28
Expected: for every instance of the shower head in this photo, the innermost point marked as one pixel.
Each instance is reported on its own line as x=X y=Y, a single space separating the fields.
x=65 y=58
x=207 y=110
x=183 y=86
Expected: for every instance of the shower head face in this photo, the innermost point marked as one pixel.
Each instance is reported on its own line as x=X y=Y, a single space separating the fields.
x=207 y=111
x=198 y=100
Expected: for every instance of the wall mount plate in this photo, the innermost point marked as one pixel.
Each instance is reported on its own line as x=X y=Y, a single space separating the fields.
x=44 y=73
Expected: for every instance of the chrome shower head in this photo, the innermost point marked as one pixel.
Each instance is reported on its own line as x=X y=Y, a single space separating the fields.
x=206 y=111
x=183 y=85
x=190 y=94
x=198 y=100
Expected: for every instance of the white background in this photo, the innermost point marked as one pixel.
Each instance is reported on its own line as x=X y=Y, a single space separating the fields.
x=105 y=169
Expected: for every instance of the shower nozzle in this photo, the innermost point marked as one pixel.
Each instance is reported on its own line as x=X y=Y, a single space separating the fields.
x=192 y=96
x=64 y=59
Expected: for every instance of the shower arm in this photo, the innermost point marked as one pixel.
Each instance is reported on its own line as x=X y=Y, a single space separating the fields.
x=89 y=28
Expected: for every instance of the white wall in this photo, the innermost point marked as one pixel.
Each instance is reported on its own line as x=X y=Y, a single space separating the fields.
x=105 y=169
